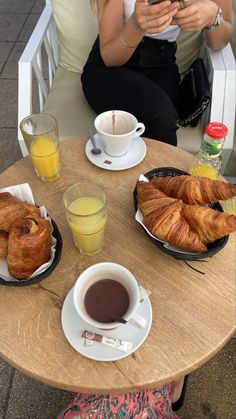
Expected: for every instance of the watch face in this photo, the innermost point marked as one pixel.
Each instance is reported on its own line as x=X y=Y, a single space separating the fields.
x=219 y=17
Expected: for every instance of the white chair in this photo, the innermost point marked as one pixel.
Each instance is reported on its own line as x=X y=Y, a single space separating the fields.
x=66 y=31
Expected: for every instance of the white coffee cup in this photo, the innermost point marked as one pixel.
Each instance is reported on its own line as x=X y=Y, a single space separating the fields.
x=116 y=129
x=108 y=270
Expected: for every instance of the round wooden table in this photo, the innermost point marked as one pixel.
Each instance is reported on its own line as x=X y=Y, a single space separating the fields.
x=193 y=314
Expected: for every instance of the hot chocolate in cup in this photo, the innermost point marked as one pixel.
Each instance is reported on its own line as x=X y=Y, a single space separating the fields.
x=106 y=295
x=116 y=129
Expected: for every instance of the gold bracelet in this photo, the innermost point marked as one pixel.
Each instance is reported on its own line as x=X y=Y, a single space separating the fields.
x=125 y=43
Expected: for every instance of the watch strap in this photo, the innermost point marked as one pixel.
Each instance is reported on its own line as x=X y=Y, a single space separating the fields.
x=218 y=20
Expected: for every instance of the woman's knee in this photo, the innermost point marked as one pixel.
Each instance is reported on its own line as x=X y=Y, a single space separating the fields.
x=162 y=123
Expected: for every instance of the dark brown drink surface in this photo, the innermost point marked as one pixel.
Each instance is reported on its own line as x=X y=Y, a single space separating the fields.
x=106 y=300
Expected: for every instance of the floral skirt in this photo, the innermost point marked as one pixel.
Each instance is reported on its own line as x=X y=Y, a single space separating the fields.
x=148 y=404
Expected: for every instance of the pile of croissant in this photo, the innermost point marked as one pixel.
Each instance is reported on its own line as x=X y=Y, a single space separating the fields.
x=174 y=210
x=25 y=237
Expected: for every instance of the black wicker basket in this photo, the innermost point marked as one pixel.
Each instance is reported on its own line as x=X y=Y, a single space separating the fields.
x=213 y=248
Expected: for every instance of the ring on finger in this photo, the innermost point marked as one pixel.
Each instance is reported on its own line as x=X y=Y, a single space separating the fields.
x=182 y=4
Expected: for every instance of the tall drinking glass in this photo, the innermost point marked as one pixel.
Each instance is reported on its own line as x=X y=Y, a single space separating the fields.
x=86 y=213
x=40 y=134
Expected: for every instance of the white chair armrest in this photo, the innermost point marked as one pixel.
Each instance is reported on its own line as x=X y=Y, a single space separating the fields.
x=220 y=67
x=44 y=34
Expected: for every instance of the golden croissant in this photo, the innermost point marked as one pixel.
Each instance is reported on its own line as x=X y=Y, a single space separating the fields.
x=193 y=189
x=3 y=243
x=29 y=245
x=190 y=227
x=163 y=218
x=209 y=224
x=11 y=209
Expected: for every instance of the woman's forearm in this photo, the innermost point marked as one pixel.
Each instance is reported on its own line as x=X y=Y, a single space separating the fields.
x=219 y=37
x=117 y=51
x=118 y=40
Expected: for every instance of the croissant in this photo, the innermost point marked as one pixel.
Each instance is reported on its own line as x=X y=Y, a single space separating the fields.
x=209 y=224
x=193 y=189
x=29 y=246
x=3 y=243
x=163 y=218
x=149 y=198
x=11 y=209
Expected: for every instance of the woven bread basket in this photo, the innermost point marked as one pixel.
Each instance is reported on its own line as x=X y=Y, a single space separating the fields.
x=213 y=248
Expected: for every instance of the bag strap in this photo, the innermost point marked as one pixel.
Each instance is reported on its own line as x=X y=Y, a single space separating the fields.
x=199 y=111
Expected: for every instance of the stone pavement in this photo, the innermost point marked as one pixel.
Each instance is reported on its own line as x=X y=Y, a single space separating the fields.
x=211 y=389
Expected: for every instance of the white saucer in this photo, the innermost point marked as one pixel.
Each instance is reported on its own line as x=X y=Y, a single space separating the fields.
x=73 y=327
x=134 y=156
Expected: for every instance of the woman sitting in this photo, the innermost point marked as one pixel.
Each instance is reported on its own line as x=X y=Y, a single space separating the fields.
x=132 y=63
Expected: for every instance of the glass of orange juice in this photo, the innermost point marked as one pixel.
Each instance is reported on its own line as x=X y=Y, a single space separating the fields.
x=206 y=167
x=86 y=213
x=40 y=134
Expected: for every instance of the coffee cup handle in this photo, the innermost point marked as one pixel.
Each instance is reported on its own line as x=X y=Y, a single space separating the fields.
x=138 y=320
x=140 y=129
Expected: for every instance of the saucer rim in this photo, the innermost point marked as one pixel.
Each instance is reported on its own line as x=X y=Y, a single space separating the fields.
x=96 y=330
x=92 y=158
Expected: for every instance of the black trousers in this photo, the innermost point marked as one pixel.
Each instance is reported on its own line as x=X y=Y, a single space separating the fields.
x=146 y=86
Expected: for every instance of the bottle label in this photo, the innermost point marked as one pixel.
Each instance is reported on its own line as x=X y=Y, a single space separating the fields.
x=209 y=149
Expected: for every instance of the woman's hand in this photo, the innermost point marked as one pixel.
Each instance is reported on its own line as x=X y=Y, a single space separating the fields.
x=155 y=18
x=196 y=16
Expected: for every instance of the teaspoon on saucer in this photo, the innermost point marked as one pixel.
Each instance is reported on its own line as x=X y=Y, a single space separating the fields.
x=95 y=149
x=118 y=319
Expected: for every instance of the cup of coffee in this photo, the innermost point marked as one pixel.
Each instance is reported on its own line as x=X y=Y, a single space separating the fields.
x=116 y=129
x=106 y=295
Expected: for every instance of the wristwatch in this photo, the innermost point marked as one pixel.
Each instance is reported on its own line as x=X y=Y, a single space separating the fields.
x=218 y=20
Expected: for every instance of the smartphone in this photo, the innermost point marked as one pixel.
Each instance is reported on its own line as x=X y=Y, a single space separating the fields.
x=158 y=1
x=154 y=1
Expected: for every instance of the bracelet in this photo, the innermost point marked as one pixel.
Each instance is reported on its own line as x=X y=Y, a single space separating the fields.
x=136 y=25
x=125 y=43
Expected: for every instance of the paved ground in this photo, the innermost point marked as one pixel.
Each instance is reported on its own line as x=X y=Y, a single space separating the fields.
x=211 y=389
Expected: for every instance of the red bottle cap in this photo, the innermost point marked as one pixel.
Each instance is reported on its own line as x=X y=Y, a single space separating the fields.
x=216 y=130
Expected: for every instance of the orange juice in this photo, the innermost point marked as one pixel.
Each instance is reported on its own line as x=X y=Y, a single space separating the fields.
x=205 y=170
x=45 y=157
x=87 y=219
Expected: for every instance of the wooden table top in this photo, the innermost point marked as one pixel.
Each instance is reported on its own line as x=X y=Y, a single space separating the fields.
x=193 y=314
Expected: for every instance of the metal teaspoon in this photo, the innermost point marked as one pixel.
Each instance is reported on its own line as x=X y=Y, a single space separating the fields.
x=95 y=149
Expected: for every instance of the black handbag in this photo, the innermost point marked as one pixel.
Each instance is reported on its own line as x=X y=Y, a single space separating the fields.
x=194 y=95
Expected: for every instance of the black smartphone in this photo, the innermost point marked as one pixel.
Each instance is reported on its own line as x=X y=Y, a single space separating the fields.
x=158 y=1
x=154 y=1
